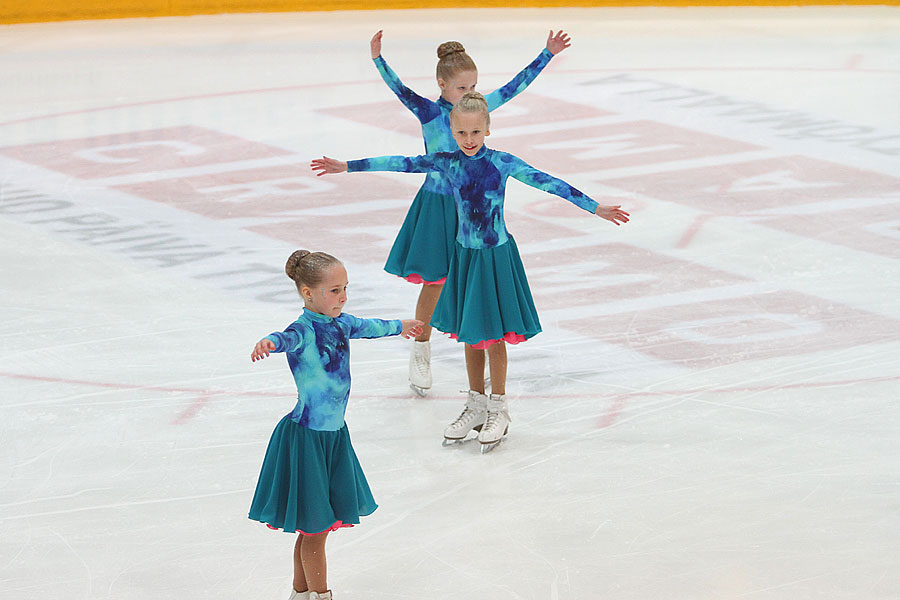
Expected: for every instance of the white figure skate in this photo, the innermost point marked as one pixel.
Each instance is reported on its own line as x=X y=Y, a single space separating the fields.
x=320 y=596
x=420 y=368
x=472 y=417
x=496 y=424
x=295 y=595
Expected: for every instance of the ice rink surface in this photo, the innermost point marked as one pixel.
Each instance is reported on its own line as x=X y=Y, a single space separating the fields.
x=711 y=411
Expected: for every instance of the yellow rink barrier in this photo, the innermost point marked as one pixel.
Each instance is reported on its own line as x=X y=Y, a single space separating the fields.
x=30 y=11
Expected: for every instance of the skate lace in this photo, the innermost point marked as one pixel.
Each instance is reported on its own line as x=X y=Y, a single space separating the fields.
x=492 y=417
x=421 y=363
x=465 y=415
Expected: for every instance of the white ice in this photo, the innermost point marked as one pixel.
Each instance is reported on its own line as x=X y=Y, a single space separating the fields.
x=711 y=411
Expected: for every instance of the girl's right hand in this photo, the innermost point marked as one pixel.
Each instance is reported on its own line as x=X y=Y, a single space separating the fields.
x=375 y=45
x=262 y=349
x=327 y=165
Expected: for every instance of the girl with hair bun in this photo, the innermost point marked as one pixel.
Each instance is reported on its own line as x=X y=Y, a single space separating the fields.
x=311 y=482
x=423 y=247
x=486 y=301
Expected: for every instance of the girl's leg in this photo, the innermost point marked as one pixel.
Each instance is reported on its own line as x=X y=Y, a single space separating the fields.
x=299 y=578
x=312 y=562
x=475 y=368
x=497 y=358
x=428 y=298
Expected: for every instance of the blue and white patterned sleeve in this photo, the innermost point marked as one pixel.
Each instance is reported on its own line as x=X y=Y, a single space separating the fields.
x=528 y=175
x=501 y=96
x=402 y=164
x=373 y=328
x=286 y=341
x=424 y=109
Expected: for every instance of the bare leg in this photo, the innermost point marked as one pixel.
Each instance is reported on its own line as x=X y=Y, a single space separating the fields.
x=428 y=298
x=497 y=358
x=309 y=563
x=475 y=368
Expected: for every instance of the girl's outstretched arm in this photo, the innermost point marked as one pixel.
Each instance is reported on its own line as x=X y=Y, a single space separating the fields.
x=325 y=165
x=262 y=349
x=536 y=178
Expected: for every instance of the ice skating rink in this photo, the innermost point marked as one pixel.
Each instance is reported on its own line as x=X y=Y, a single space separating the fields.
x=710 y=413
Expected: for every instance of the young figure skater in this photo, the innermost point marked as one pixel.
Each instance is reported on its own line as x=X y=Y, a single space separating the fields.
x=311 y=481
x=486 y=301
x=421 y=253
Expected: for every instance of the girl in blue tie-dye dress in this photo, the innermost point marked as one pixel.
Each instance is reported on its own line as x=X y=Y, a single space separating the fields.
x=423 y=247
x=486 y=300
x=311 y=481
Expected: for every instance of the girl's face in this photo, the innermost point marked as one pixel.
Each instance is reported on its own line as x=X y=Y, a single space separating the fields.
x=454 y=88
x=328 y=298
x=469 y=131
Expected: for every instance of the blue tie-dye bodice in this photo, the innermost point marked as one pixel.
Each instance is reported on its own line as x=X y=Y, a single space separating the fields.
x=318 y=353
x=479 y=187
x=435 y=116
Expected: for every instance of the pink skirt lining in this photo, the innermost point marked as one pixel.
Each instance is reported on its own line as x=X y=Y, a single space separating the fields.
x=416 y=278
x=511 y=337
x=337 y=525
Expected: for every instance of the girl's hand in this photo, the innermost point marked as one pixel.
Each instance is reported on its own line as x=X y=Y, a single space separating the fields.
x=328 y=165
x=375 y=45
x=411 y=328
x=557 y=43
x=262 y=349
x=614 y=214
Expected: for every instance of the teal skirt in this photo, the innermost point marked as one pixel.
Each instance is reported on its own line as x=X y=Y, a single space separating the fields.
x=421 y=253
x=486 y=298
x=310 y=481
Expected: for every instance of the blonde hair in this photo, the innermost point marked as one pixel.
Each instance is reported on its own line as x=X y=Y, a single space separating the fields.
x=307 y=268
x=472 y=102
x=452 y=59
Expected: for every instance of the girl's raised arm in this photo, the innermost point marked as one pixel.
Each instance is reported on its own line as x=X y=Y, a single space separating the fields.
x=555 y=44
x=424 y=109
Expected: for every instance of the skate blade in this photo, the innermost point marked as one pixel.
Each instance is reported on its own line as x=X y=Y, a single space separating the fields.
x=449 y=442
x=419 y=391
x=489 y=446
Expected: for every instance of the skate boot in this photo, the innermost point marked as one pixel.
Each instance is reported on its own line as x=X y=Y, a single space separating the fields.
x=320 y=595
x=496 y=424
x=472 y=417
x=295 y=595
x=420 y=368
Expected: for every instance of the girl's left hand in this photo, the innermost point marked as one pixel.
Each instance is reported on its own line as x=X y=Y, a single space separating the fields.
x=327 y=165
x=613 y=214
x=411 y=328
x=559 y=42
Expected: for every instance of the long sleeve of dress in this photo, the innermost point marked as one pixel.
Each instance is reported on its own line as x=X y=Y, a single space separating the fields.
x=374 y=328
x=402 y=164
x=286 y=341
x=502 y=95
x=538 y=179
x=424 y=109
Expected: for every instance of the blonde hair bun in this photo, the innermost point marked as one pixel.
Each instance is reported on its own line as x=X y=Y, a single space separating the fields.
x=448 y=48
x=291 y=268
